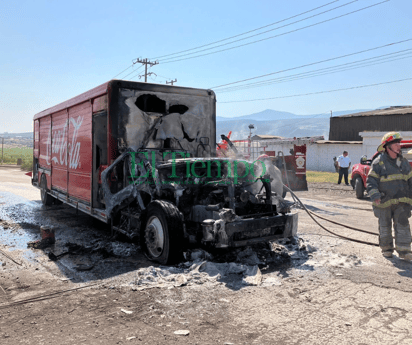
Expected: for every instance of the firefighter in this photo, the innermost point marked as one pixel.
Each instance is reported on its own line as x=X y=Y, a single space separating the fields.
x=389 y=185
x=274 y=172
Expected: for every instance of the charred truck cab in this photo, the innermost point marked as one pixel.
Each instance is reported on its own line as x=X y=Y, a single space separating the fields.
x=142 y=157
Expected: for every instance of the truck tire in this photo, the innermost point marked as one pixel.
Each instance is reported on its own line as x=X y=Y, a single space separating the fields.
x=359 y=188
x=162 y=237
x=46 y=198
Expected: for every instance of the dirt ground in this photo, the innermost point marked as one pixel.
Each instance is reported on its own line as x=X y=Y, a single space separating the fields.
x=318 y=289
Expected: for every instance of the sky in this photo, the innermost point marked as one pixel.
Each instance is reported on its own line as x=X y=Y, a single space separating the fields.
x=51 y=51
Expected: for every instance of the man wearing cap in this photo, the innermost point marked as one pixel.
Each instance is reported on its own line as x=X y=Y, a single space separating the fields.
x=389 y=185
x=344 y=164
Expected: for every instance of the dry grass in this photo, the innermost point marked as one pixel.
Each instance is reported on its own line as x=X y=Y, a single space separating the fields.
x=11 y=154
x=320 y=176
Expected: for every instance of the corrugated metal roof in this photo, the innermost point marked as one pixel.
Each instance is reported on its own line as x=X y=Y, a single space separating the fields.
x=396 y=110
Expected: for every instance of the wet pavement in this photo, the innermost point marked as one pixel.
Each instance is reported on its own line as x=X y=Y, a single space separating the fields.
x=90 y=253
x=315 y=288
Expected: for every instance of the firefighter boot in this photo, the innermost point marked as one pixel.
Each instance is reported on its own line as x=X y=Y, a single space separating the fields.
x=405 y=256
x=402 y=231
x=387 y=253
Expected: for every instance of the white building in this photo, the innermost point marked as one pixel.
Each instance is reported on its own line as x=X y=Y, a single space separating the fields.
x=319 y=153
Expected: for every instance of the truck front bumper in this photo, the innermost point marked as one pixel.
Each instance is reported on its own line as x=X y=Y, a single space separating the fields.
x=249 y=231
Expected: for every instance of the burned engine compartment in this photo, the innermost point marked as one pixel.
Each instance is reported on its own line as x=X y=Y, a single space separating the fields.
x=167 y=188
x=219 y=202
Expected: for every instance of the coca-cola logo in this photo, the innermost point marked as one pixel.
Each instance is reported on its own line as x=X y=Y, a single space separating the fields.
x=60 y=147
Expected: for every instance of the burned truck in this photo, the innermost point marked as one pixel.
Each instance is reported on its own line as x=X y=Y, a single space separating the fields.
x=141 y=157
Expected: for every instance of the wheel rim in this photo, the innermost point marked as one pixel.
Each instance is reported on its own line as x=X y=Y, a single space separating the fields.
x=154 y=236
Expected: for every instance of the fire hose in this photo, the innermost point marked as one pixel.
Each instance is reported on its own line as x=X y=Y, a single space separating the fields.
x=310 y=213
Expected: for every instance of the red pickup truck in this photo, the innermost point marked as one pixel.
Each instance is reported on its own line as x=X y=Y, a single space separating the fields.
x=360 y=171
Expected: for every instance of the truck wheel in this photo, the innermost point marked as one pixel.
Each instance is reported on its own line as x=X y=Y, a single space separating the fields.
x=359 y=188
x=46 y=199
x=162 y=238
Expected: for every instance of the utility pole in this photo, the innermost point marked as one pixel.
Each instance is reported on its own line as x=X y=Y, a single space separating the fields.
x=147 y=75
x=249 y=142
x=145 y=62
x=171 y=82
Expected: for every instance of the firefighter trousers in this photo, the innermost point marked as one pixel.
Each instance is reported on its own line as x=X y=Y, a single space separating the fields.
x=399 y=214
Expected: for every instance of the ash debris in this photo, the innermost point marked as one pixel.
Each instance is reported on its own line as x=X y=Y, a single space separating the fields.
x=235 y=268
x=105 y=248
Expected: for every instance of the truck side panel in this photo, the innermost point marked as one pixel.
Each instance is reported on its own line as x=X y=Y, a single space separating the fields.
x=36 y=139
x=80 y=151
x=59 y=150
x=45 y=148
x=100 y=103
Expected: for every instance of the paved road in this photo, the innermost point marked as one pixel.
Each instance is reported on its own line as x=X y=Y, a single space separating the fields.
x=342 y=293
x=13 y=180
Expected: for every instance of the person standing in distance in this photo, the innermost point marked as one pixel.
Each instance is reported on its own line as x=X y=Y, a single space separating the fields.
x=344 y=164
x=389 y=185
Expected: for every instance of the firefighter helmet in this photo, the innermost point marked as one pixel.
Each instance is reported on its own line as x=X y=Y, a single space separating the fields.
x=389 y=138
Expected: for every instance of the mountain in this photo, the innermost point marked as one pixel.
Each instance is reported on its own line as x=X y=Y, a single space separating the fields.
x=271 y=115
x=271 y=122
x=282 y=123
x=265 y=115
x=14 y=135
x=286 y=128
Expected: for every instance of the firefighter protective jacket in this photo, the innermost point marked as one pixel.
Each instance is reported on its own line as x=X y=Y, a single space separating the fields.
x=390 y=180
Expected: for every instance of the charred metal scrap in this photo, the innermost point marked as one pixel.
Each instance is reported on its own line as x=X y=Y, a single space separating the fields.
x=218 y=206
x=158 y=191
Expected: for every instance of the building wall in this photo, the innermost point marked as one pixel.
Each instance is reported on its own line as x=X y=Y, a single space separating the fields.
x=348 y=128
x=371 y=141
x=320 y=156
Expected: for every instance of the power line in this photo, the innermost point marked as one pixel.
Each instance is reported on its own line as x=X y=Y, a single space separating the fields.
x=261 y=33
x=162 y=76
x=269 y=81
x=225 y=39
x=137 y=74
x=123 y=71
x=146 y=62
x=282 y=34
x=133 y=72
x=319 y=92
x=148 y=74
x=320 y=74
x=314 y=63
x=323 y=71
x=247 y=32
x=171 y=82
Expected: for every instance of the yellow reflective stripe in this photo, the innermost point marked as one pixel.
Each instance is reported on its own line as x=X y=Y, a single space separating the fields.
x=381 y=163
x=373 y=174
x=395 y=177
x=373 y=192
x=393 y=202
